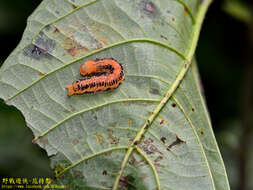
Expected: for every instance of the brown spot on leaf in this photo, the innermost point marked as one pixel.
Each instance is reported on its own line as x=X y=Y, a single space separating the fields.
x=127 y=182
x=185 y=11
x=150 y=7
x=56 y=30
x=131 y=139
x=159 y=158
x=132 y=161
x=142 y=163
x=114 y=140
x=158 y=165
x=148 y=147
x=102 y=41
x=162 y=122
x=163 y=37
x=193 y=109
x=178 y=141
x=129 y=123
x=99 y=138
x=75 y=142
x=202 y=131
x=173 y=105
x=73 y=48
x=148 y=141
x=99 y=46
x=42 y=74
x=74 y=6
x=142 y=137
x=163 y=139
x=123 y=182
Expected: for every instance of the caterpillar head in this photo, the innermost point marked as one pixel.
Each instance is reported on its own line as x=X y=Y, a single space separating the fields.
x=88 y=67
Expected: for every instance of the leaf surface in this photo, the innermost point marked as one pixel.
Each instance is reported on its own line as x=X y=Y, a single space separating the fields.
x=153 y=132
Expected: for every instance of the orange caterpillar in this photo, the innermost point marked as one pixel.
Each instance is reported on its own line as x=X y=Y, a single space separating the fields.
x=101 y=75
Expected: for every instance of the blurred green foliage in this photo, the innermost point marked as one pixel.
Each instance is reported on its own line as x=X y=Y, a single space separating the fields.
x=222 y=56
x=239 y=10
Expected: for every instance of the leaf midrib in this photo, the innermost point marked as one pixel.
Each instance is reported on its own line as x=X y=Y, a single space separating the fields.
x=193 y=43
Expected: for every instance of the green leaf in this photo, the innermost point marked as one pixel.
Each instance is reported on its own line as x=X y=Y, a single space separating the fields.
x=239 y=10
x=153 y=132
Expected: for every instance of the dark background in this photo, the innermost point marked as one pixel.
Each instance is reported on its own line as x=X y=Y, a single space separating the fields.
x=224 y=56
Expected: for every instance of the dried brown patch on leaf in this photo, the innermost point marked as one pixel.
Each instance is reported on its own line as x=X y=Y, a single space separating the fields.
x=73 y=48
x=178 y=141
x=56 y=30
x=158 y=159
x=202 y=131
x=102 y=41
x=185 y=11
x=148 y=147
x=162 y=122
x=149 y=8
x=42 y=74
x=163 y=139
x=132 y=161
x=114 y=140
x=99 y=138
x=127 y=182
